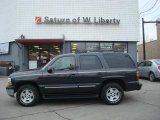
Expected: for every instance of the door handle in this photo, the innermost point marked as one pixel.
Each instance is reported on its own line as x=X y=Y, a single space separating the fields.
x=72 y=75
x=100 y=73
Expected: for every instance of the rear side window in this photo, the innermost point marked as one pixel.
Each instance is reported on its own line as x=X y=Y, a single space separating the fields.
x=118 y=60
x=89 y=62
x=142 y=64
x=157 y=61
x=148 y=63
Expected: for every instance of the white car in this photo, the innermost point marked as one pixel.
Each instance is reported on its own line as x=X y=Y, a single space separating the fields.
x=150 y=69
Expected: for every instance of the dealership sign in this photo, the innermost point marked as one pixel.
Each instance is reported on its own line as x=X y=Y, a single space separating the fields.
x=78 y=20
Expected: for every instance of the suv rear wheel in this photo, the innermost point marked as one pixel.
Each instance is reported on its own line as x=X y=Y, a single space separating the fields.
x=27 y=95
x=112 y=94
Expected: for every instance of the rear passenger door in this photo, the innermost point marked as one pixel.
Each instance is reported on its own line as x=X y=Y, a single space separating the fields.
x=144 y=68
x=141 y=67
x=90 y=73
x=147 y=68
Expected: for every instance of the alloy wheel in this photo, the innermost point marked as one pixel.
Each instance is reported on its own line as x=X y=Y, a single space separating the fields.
x=113 y=94
x=27 y=96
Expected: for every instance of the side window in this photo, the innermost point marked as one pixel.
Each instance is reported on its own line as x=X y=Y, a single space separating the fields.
x=64 y=63
x=90 y=62
x=118 y=60
x=142 y=64
x=148 y=63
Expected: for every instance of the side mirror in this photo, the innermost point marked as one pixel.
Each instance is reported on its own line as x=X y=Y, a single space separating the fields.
x=72 y=67
x=49 y=70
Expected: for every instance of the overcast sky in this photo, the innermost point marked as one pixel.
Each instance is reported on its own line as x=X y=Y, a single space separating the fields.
x=152 y=15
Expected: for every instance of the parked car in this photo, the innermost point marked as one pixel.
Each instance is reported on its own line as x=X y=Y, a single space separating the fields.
x=84 y=75
x=150 y=69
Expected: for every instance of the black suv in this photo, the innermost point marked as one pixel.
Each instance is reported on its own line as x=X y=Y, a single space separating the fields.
x=84 y=75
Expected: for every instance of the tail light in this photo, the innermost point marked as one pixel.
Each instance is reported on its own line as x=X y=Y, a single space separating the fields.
x=137 y=75
x=159 y=68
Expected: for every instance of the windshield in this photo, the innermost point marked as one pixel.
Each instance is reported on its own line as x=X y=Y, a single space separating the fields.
x=157 y=61
x=48 y=63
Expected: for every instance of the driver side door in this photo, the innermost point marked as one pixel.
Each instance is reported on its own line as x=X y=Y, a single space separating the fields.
x=63 y=78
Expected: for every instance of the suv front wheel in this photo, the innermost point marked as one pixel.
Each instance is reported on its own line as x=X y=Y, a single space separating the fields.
x=27 y=95
x=112 y=93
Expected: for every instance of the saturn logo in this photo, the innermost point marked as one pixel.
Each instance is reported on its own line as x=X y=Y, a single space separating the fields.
x=38 y=19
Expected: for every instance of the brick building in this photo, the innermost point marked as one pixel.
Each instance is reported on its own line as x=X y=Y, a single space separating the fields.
x=152 y=47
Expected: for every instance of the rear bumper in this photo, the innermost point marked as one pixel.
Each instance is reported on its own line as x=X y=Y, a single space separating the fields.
x=134 y=85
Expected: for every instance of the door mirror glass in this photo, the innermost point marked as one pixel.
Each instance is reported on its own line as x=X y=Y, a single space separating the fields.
x=50 y=69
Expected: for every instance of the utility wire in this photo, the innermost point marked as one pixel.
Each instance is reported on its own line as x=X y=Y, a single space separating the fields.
x=152 y=12
x=147 y=3
x=149 y=8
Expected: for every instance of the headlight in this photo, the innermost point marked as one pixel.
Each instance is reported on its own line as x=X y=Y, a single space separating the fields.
x=9 y=81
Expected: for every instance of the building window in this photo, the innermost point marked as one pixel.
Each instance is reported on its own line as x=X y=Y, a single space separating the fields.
x=39 y=55
x=80 y=47
x=55 y=50
x=120 y=47
x=92 y=46
x=106 y=46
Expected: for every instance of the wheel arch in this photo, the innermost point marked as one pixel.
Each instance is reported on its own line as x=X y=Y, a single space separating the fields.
x=19 y=84
x=118 y=81
x=155 y=77
x=150 y=73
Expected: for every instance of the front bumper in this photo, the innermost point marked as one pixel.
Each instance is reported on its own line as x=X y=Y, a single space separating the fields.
x=134 y=85
x=139 y=86
x=10 y=90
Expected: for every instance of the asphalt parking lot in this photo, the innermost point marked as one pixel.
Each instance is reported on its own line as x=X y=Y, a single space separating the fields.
x=137 y=105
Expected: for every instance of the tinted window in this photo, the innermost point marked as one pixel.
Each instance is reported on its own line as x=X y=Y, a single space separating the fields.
x=88 y=62
x=148 y=63
x=118 y=60
x=64 y=63
x=142 y=64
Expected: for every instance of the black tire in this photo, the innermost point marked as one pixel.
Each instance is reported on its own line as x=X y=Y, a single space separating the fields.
x=27 y=95
x=152 y=77
x=112 y=91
